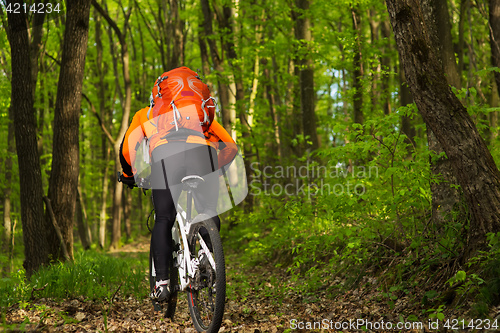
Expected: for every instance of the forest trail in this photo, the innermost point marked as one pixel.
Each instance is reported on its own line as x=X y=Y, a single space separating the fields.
x=257 y=306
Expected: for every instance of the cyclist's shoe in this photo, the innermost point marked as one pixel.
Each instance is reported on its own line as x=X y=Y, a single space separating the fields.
x=161 y=291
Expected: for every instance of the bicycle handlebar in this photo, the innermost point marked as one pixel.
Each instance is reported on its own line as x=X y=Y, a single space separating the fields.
x=143 y=183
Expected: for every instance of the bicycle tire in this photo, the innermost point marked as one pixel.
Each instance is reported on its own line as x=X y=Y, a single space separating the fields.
x=206 y=312
x=171 y=303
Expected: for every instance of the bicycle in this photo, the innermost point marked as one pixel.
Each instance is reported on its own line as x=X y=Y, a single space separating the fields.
x=198 y=266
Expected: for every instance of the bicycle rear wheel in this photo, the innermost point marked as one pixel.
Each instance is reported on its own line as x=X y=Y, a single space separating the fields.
x=207 y=292
x=170 y=305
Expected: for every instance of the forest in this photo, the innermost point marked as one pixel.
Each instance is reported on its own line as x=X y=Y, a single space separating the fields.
x=368 y=132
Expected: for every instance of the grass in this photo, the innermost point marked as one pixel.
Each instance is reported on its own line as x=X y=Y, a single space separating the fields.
x=93 y=275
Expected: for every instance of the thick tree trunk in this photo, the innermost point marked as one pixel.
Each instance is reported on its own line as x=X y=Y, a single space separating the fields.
x=444 y=194
x=63 y=181
x=34 y=232
x=437 y=18
x=443 y=113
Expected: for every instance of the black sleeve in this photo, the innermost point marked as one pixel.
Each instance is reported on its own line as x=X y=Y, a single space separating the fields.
x=127 y=168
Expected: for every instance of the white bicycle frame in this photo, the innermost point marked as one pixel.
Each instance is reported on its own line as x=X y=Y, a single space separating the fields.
x=186 y=266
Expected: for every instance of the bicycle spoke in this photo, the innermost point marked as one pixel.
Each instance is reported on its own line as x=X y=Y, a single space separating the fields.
x=208 y=293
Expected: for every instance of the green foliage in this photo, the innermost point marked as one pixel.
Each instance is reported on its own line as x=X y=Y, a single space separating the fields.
x=93 y=275
x=361 y=203
x=367 y=191
x=481 y=283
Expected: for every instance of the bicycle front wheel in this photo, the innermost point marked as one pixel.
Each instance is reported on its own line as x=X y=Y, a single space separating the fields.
x=207 y=291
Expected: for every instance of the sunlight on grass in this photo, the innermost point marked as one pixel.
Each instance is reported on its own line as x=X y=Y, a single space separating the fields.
x=93 y=275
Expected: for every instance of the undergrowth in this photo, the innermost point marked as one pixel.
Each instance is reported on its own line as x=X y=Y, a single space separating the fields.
x=92 y=275
x=364 y=211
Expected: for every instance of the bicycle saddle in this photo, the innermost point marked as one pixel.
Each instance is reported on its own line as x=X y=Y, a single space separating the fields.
x=192 y=182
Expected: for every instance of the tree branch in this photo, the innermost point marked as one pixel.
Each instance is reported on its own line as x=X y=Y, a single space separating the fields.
x=110 y=21
x=56 y=226
x=104 y=129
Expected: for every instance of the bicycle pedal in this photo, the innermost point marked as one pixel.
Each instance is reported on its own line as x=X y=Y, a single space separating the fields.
x=157 y=306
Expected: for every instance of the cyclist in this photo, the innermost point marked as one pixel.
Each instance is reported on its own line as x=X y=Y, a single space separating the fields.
x=171 y=160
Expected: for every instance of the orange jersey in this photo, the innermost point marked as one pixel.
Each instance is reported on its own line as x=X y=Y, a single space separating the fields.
x=142 y=127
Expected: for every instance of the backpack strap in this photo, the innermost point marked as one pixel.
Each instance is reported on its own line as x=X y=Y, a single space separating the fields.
x=158 y=81
x=177 y=115
x=151 y=104
x=206 y=119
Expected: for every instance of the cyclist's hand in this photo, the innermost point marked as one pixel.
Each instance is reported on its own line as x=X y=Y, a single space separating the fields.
x=129 y=181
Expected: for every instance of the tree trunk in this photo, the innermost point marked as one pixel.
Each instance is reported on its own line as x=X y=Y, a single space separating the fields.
x=282 y=140
x=464 y=5
x=493 y=116
x=177 y=54
x=386 y=67
x=226 y=23
x=357 y=71
x=405 y=99
x=7 y=221
x=443 y=113
x=36 y=40
x=34 y=232
x=437 y=19
x=126 y=106
x=104 y=201
x=81 y=220
x=217 y=62
x=63 y=181
x=302 y=28
x=116 y=232
x=127 y=205
x=274 y=113
x=494 y=18
x=105 y=151
x=444 y=195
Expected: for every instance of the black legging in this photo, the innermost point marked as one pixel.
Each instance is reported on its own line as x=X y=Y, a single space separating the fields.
x=172 y=162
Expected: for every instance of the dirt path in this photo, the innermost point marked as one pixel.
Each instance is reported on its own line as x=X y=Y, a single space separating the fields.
x=253 y=305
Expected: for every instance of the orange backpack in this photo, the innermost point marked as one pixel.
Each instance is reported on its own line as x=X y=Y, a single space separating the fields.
x=181 y=102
